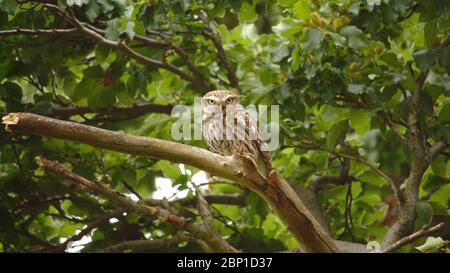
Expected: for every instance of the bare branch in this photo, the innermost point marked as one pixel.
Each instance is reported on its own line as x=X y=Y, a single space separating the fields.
x=437 y=148
x=425 y=231
x=201 y=81
x=26 y=31
x=121 y=45
x=314 y=146
x=112 y=113
x=391 y=125
x=91 y=226
x=215 y=38
x=376 y=170
x=211 y=198
x=147 y=245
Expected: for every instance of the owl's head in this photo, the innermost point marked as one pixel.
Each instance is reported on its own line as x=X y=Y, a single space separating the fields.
x=218 y=100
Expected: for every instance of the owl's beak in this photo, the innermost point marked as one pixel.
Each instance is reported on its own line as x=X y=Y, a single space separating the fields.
x=222 y=106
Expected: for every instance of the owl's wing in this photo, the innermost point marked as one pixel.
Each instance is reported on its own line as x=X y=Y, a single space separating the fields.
x=251 y=137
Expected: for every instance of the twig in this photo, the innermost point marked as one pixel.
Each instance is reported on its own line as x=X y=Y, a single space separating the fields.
x=26 y=31
x=159 y=213
x=121 y=113
x=425 y=231
x=91 y=226
x=120 y=45
x=147 y=245
x=315 y=146
x=215 y=38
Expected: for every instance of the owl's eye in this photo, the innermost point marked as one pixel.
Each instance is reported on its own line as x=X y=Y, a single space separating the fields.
x=229 y=100
x=211 y=101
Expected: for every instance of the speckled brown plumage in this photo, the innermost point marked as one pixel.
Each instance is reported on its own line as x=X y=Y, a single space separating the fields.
x=228 y=128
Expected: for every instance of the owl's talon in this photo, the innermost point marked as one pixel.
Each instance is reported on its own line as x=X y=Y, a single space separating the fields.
x=249 y=160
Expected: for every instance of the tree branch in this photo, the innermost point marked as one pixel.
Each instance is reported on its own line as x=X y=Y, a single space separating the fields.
x=121 y=113
x=425 y=231
x=211 y=198
x=208 y=223
x=201 y=81
x=314 y=146
x=215 y=38
x=91 y=226
x=27 y=31
x=121 y=46
x=421 y=157
x=437 y=148
x=154 y=212
x=275 y=190
x=147 y=245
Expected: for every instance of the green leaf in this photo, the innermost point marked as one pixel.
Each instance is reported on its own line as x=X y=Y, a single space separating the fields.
x=93 y=10
x=431 y=245
x=360 y=121
x=312 y=39
x=11 y=91
x=301 y=9
x=432 y=182
x=286 y=3
x=444 y=114
x=86 y=86
x=425 y=58
x=127 y=27
x=439 y=166
x=441 y=196
x=444 y=59
x=424 y=212
x=337 y=133
x=67 y=230
x=353 y=35
x=247 y=12
x=430 y=34
x=101 y=97
x=287 y=27
x=372 y=178
x=8 y=6
x=170 y=170
x=112 y=30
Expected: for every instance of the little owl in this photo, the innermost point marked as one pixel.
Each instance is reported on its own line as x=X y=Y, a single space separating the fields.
x=228 y=129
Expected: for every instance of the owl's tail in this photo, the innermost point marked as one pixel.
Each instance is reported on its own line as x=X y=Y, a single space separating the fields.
x=265 y=163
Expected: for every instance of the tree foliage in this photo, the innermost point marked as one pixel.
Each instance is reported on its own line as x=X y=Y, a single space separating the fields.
x=347 y=75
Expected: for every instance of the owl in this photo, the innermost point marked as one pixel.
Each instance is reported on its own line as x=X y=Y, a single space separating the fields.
x=228 y=129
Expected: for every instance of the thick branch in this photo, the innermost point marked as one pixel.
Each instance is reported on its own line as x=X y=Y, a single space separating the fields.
x=275 y=191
